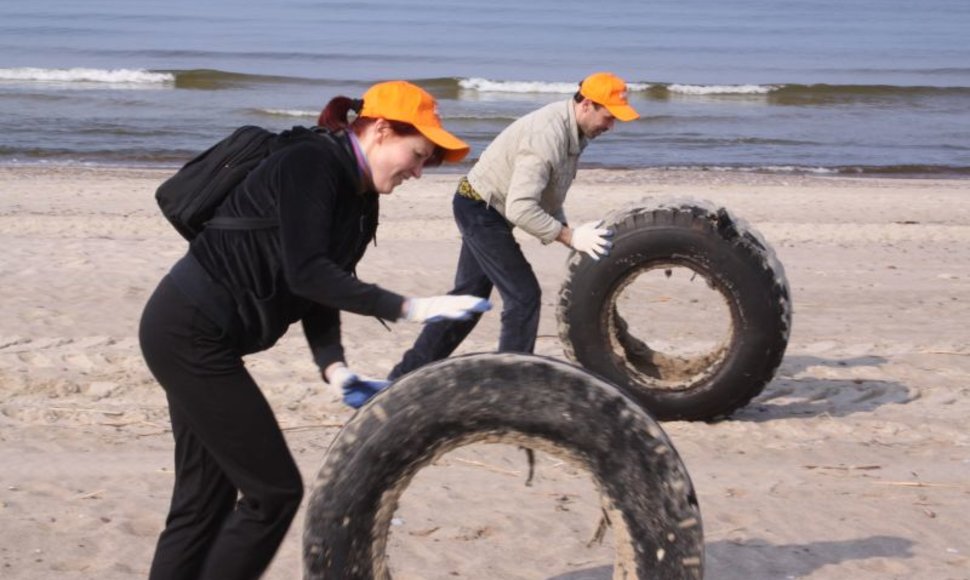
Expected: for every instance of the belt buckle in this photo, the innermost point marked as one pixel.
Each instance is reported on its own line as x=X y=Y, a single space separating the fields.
x=466 y=190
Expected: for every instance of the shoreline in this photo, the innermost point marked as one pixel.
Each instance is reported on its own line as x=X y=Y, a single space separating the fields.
x=588 y=173
x=943 y=173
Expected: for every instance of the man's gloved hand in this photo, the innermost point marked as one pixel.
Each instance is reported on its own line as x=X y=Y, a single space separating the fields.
x=447 y=307
x=592 y=239
x=356 y=390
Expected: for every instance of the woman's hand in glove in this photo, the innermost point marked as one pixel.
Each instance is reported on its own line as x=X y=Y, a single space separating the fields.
x=355 y=390
x=445 y=307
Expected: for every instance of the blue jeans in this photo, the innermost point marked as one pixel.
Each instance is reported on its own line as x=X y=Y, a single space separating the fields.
x=490 y=257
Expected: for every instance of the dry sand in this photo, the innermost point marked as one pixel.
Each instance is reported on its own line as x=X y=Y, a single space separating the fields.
x=853 y=463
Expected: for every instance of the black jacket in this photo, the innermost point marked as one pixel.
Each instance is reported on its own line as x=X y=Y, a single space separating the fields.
x=266 y=279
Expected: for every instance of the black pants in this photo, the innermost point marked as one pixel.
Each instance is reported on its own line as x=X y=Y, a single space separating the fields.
x=237 y=487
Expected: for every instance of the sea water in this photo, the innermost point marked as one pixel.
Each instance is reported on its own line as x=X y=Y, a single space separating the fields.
x=850 y=86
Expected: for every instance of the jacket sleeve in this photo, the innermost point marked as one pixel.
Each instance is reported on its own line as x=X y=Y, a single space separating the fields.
x=321 y=326
x=307 y=178
x=531 y=173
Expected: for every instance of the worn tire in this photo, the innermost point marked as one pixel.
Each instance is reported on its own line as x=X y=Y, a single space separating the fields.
x=731 y=257
x=528 y=400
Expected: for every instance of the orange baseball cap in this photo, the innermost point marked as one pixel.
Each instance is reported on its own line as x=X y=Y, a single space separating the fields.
x=409 y=103
x=609 y=90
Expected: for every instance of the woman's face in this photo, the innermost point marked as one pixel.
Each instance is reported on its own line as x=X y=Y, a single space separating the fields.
x=394 y=158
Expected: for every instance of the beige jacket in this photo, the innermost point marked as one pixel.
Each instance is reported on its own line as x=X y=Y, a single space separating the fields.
x=525 y=172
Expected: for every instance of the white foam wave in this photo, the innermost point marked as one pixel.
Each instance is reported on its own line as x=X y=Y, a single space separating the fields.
x=489 y=86
x=87 y=75
x=774 y=169
x=289 y=113
x=721 y=89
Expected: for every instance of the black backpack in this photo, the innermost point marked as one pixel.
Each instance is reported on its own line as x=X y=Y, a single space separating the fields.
x=190 y=197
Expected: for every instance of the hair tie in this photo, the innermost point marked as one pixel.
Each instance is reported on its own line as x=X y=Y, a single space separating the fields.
x=357 y=105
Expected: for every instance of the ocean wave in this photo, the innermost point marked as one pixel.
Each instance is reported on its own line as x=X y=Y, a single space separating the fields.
x=87 y=76
x=214 y=79
x=204 y=79
x=287 y=113
x=307 y=114
x=659 y=90
x=773 y=169
x=821 y=89
x=488 y=86
x=901 y=170
x=721 y=89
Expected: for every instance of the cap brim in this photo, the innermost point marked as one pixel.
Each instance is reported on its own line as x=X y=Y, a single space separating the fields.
x=455 y=148
x=623 y=112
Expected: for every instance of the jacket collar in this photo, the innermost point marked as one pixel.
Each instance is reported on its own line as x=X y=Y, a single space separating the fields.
x=576 y=142
x=351 y=161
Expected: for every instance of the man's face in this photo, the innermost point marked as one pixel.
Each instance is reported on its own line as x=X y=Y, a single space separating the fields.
x=593 y=119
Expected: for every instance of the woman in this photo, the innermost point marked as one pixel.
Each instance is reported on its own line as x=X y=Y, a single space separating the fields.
x=236 y=292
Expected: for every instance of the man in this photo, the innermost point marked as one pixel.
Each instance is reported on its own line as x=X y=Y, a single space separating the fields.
x=521 y=181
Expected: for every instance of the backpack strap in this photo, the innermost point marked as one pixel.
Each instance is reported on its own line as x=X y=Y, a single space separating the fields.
x=242 y=223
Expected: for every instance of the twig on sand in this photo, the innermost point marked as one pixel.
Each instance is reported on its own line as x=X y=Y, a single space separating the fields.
x=327 y=425
x=324 y=425
x=84 y=410
x=130 y=423
x=153 y=433
x=161 y=429
x=844 y=467
x=949 y=352
x=601 y=528
x=486 y=466
x=92 y=495
x=919 y=484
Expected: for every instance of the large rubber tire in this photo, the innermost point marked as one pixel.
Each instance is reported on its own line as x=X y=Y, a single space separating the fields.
x=528 y=400
x=731 y=257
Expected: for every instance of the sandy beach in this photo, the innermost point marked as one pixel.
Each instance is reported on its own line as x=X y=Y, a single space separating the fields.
x=853 y=463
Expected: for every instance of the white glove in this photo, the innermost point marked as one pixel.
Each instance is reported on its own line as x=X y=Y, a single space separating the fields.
x=355 y=390
x=592 y=239
x=447 y=307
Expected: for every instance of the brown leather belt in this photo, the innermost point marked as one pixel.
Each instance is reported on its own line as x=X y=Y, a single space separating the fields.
x=465 y=189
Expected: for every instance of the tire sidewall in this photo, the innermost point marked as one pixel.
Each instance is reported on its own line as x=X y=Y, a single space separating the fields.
x=734 y=269
x=429 y=411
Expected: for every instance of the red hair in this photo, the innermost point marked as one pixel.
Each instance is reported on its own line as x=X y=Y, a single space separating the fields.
x=335 y=117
